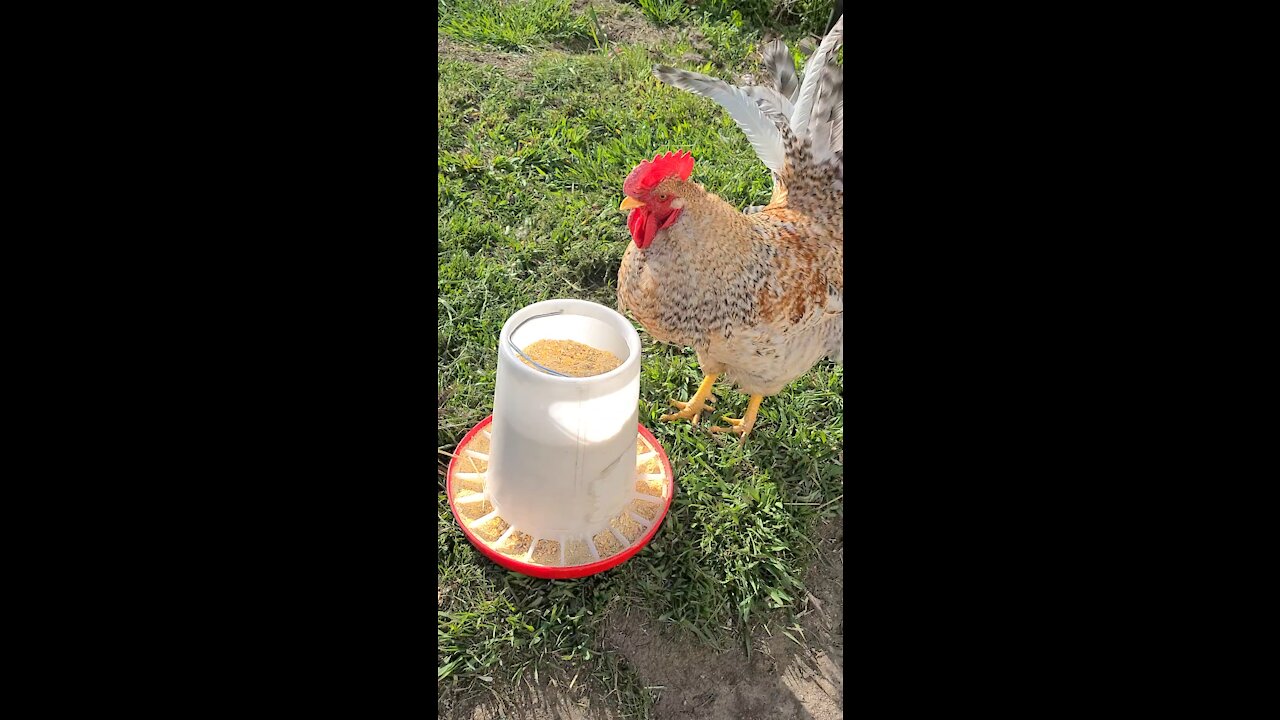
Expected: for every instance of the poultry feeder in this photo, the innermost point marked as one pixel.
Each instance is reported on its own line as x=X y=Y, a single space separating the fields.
x=561 y=481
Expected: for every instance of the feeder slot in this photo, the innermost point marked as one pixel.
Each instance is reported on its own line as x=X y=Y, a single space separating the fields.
x=639 y=518
x=478 y=455
x=483 y=519
x=469 y=476
x=469 y=499
x=562 y=544
x=653 y=476
x=533 y=543
x=591 y=543
x=643 y=458
x=623 y=542
x=506 y=534
x=646 y=498
x=487 y=435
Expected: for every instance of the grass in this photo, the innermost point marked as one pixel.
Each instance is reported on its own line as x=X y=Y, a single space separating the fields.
x=511 y=24
x=664 y=12
x=807 y=16
x=530 y=172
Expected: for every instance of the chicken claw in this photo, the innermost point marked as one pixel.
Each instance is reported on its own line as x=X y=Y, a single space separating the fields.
x=699 y=402
x=742 y=426
x=688 y=411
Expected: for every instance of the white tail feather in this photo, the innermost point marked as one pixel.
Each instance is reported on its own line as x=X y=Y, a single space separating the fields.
x=771 y=101
x=830 y=96
x=754 y=122
x=812 y=79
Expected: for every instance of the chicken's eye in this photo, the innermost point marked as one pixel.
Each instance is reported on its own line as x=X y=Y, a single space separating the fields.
x=662 y=197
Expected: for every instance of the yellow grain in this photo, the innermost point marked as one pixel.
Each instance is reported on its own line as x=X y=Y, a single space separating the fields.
x=577 y=553
x=571 y=358
x=490 y=530
x=471 y=511
x=517 y=543
x=646 y=510
x=470 y=485
x=649 y=487
x=547 y=552
x=479 y=443
x=629 y=528
x=606 y=543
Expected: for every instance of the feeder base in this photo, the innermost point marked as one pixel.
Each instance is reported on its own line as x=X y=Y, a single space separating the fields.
x=563 y=558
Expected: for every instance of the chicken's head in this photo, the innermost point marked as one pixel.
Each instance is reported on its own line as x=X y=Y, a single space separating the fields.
x=653 y=194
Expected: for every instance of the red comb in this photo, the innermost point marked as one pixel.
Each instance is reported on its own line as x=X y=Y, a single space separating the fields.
x=649 y=173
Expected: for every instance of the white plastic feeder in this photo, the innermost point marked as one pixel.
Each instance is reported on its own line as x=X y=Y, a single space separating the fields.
x=561 y=481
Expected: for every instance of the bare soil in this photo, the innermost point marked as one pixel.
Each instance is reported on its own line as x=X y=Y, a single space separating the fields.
x=624 y=24
x=546 y=703
x=514 y=65
x=780 y=681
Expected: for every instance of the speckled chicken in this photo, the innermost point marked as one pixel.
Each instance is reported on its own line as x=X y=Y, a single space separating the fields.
x=760 y=295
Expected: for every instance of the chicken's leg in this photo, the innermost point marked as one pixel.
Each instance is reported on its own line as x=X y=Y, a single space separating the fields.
x=743 y=426
x=692 y=409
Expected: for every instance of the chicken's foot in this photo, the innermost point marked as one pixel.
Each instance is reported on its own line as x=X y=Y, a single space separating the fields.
x=692 y=409
x=744 y=425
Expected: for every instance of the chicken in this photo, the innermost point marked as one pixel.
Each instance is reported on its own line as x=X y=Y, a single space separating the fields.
x=759 y=296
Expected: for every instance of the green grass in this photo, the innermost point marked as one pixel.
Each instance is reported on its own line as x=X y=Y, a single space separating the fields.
x=808 y=16
x=664 y=12
x=512 y=24
x=530 y=172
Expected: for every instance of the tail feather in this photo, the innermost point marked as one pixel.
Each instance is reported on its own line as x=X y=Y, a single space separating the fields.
x=795 y=126
x=777 y=107
x=781 y=69
x=801 y=118
x=837 y=128
x=754 y=122
x=821 y=123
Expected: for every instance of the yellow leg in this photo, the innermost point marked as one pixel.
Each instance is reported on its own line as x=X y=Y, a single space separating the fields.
x=692 y=409
x=743 y=426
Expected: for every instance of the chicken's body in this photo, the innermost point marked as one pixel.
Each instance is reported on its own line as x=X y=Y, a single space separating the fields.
x=758 y=295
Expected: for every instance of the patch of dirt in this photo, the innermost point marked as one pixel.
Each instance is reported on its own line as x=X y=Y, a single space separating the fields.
x=781 y=681
x=622 y=25
x=565 y=698
x=543 y=704
x=626 y=25
x=515 y=65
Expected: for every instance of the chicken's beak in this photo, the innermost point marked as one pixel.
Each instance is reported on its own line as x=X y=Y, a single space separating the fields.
x=630 y=204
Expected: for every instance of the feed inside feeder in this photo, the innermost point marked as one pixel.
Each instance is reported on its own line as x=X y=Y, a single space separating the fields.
x=569 y=358
x=561 y=477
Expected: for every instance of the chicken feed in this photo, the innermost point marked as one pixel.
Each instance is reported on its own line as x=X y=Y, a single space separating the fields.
x=569 y=357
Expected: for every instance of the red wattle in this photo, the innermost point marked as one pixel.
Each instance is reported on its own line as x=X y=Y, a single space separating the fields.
x=637 y=221
x=644 y=226
x=650 y=229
